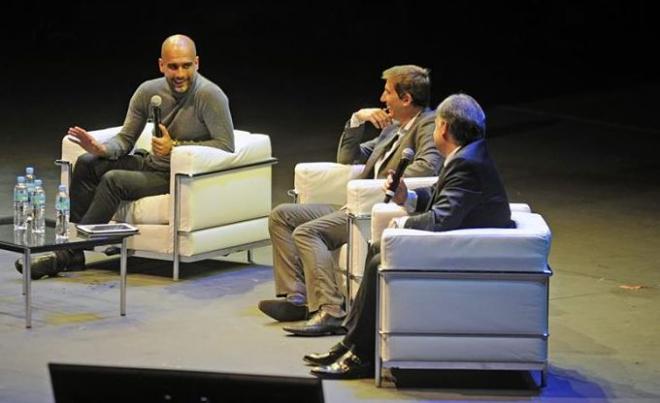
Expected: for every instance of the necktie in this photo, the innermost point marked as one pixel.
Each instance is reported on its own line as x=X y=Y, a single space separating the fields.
x=395 y=143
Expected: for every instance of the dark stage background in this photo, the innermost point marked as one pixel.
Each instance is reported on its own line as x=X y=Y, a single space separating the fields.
x=296 y=70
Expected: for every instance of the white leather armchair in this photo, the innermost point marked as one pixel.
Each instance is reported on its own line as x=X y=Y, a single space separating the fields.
x=463 y=299
x=218 y=202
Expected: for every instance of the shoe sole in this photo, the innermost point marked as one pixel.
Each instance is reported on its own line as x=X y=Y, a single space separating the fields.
x=318 y=363
x=303 y=333
x=325 y=375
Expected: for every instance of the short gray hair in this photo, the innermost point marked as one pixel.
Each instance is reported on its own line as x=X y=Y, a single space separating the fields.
x=413 y=80
x=466 y=121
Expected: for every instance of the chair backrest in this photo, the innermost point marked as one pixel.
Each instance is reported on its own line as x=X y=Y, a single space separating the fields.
x=323 y=182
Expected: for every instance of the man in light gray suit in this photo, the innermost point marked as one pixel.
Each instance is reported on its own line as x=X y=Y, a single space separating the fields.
x=303 y=235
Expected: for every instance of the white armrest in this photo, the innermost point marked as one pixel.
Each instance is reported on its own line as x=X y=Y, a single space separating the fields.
x=520 y=207
x=363 y=194
x=381 y=215
x=210 y=200
x=249 y=149
x=323 y=182
x=524 y=248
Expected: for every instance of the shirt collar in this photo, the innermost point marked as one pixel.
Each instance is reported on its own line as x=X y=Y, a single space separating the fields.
x=451 y=155
x=410 y=122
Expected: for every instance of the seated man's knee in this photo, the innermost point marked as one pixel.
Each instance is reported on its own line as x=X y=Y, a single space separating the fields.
x=279 y=215
x=304 y=232
x=276 y=219
x=86 y=159
x=84 y=163
x=371 y=268
x=113 y=180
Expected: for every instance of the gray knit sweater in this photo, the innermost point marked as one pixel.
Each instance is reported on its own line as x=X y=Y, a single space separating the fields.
x=200 y=116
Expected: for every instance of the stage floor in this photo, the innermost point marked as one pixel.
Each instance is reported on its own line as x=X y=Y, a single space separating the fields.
x=588 y=163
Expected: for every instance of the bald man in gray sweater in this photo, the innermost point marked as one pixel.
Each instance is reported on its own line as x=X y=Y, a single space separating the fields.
x=194 y=111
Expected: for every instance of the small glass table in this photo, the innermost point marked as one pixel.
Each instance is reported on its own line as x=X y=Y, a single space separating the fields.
x=28 y=243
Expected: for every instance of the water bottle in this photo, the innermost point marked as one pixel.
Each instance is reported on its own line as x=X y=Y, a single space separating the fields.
x=38 y=208
x=29 y=182
x=62 y=206
x=20 y=203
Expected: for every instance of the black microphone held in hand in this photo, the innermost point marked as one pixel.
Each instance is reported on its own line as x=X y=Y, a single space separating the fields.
x=155 y=107
x=406 y=157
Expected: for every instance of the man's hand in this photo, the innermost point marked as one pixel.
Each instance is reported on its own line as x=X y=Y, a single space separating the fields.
x=377 y=116
x=162 y=146
x=398 y=222
x=401 y=192
x=81 y=137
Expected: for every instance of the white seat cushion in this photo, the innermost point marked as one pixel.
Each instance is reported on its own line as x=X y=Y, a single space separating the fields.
x=147 y=210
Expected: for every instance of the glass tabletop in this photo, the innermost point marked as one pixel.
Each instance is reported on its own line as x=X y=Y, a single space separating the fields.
x=22 y=240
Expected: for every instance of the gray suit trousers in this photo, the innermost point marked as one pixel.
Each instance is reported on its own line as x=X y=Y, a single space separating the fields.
x=303 y=238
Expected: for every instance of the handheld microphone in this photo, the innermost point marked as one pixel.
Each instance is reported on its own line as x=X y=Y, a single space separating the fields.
x=155 y=107
x=406 y=157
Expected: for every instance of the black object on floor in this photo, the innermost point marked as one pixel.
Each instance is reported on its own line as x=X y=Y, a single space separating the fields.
x=89 y=383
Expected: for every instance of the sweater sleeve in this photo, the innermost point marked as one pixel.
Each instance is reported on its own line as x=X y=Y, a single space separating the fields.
x=134 y=122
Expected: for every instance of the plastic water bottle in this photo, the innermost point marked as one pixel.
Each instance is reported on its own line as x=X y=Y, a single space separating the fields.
x=20 y=203
x=38 y=208
x=62 y=205
x=29 y=182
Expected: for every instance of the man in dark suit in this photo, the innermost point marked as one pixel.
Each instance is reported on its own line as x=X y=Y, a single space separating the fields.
x=303 y=235
x=468 y=194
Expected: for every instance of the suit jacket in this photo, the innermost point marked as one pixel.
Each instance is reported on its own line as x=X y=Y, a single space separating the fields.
x=469 y=194
x=419 y=137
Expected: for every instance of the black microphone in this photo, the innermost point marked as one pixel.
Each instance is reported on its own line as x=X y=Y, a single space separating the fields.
x=406 y=157
x=155 y=107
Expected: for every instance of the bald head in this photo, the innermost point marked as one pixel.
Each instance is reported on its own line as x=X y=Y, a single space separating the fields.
x=179 y=62
x=178 y=43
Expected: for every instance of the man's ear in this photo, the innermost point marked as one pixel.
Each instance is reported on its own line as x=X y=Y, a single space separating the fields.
x=445 y=135
x=444 y=129
x=407 y=98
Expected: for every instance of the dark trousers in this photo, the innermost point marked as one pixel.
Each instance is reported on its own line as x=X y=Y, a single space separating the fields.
x=361 y=320
x=98 y=185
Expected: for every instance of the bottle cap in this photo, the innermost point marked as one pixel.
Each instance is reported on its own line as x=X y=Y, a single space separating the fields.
x=20 y=179
x=62 y=188
x=29 y=171
x=38 y=182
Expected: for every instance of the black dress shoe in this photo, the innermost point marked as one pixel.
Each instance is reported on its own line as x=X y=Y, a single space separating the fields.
x=49 y=264
x=349 y=366
x=320 y=324
x=283 y=310
x=328 y=358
